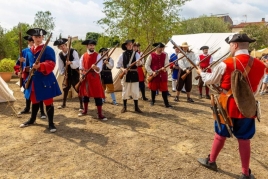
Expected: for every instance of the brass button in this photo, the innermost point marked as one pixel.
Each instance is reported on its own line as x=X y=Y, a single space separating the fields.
x=45 y=86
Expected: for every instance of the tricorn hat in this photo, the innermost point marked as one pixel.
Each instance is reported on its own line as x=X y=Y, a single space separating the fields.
x=239 y=38
x=204 y=47
x=28 y=37
x=60 y=41
x=36 y=32
x=161 y=45
x=89 y=41
x=184 y=44
x=123 y=46
x=103 y=50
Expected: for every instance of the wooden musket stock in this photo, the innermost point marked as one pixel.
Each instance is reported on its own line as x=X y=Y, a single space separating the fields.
x=65 y=80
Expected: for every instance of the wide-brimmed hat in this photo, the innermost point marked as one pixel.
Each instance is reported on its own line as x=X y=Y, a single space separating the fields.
x=28 y=37
x=204 y=47
x=36 y=32
x=184 y=44
x=123 y=46
x=60 y=41
x=103 y=50
x=89 y=41
x=161 y=45
x=239 y=38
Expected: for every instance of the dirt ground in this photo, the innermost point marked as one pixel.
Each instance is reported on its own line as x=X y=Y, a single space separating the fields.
x=159 y=143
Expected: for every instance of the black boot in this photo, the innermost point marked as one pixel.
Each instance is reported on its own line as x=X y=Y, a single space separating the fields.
x=210 y=165
x=137 y=109
x=50 y=115
x=153 y=94
x=243 y=176
x=143 y=94
x=81 y=103
x=35 y=108
x=124 y=107
x=27 y=107
x=165 y=98
x=65 y=94
x=42 y=112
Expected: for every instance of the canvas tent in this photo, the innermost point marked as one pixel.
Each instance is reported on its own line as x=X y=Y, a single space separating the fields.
x=6 y=94
x=213 y=40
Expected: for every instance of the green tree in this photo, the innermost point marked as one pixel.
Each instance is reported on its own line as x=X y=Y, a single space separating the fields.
x=44 y=20
x=93 y=35
x=203 y=24
x=2 y=43
x=107 y=42
x=77 y=45
x=11 y=41
x=145 y=21
x=258 y=32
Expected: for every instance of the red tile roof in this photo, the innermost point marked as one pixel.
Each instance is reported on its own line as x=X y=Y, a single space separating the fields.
x=243 y=24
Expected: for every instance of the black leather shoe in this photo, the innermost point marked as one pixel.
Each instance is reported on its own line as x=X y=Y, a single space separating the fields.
x=137 y=109
x=190 y=100
x=243 y=176
x=24 y=111
x=169 y=106
x=205 y=162
x=124 y=110
x=208 y=97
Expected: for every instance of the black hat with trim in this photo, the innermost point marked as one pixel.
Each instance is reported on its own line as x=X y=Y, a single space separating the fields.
x=239 y=38
x=28 y=37
x=204 y=47
x=36 y=32
x=60 y=42
x=159 y=43
x=123 y=46
x=89 y=41
x=103 y=50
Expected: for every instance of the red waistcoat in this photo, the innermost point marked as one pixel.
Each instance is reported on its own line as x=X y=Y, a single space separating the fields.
x=158 y=61
x=89 y=60
x=255 y=75
x=204 y=64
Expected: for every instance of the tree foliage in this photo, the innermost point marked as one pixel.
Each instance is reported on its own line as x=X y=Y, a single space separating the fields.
x=44 y=20
x=77 y=45
x=146 y=21
x=93 y=35
x=9 y=41
x=259 y=32
x=203 y=24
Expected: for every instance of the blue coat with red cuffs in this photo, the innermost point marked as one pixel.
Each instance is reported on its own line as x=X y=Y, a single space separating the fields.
x=44 y=83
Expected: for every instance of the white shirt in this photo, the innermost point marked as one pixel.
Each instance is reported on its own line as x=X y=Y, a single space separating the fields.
x=149 y=62
x=100 y=64
x=120 y=61
x=198 y=59
x=110 y=65
x=74 y=65
x=183 y=63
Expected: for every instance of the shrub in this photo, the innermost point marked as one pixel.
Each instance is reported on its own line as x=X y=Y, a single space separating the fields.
x=7 y=65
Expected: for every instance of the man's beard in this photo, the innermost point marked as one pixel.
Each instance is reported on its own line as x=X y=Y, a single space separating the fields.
x=91 y=50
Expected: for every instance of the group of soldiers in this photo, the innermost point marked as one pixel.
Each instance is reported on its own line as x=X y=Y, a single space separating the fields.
x=93 y=71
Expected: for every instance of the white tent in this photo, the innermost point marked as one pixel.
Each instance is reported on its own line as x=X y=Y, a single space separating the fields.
x=213 y=40
x=116 y=72
x=6 y=94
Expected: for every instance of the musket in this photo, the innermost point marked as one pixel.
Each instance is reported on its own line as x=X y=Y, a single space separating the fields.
x=145 y=50
x=190 y=70
x=211 y=65
x=77 y=86
x=223 y=113
x=151 y=77
x=20 y=48
x=132 y=64
x=215 y=112
x=37 y=61
x=65 y=80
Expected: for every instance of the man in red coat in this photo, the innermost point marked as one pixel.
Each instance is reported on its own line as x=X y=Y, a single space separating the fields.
x=156 y=61
x=243 y=128
x=204 y=64
x=91 y=85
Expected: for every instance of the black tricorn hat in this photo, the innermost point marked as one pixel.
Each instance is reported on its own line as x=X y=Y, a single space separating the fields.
x=36 y=32
x=28 y=37
x=159 y=43
x=60 y=41
x=123 y=46
x=103 y=50
x=89 y=41
x=239 y=38
x=204 y=47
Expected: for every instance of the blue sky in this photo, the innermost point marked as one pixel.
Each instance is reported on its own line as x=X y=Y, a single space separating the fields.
x=75 y=18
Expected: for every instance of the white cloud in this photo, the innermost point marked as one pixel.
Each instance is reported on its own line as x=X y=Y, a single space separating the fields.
x=71 y=17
